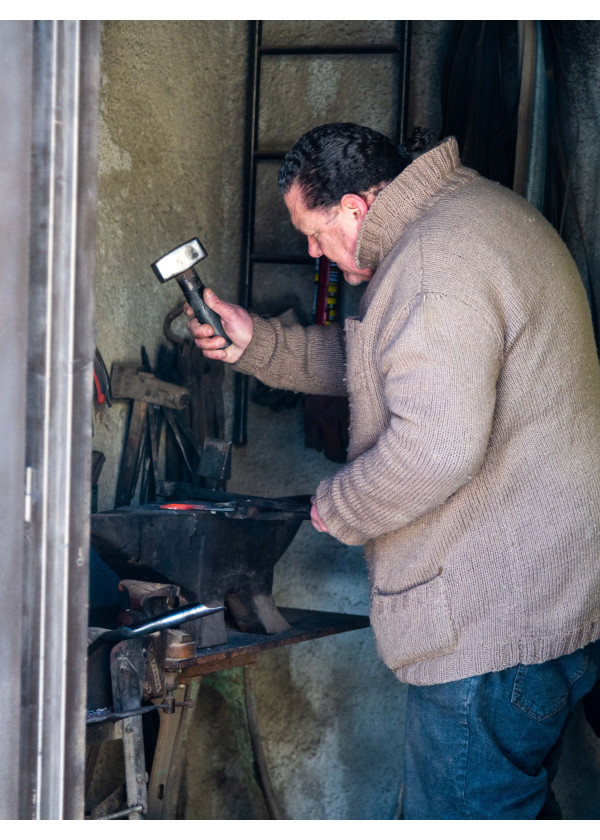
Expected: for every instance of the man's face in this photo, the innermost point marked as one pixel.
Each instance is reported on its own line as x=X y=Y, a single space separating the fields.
x=332 y=233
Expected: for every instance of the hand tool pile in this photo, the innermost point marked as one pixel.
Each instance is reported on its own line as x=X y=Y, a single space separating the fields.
x=170 y=415
x=186 y=559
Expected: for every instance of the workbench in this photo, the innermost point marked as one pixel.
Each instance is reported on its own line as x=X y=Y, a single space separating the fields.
x=228 y=669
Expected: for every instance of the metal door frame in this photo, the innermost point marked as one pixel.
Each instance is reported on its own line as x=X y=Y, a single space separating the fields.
x=48 y=136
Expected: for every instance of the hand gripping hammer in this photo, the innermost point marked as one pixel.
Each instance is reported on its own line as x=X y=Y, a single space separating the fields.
x=179 y=263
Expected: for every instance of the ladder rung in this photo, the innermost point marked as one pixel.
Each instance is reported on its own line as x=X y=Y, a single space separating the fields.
x=281 y=259
x=269 y=155
x=356 y=49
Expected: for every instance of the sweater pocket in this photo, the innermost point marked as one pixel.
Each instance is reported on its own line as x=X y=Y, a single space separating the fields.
x=413 y=625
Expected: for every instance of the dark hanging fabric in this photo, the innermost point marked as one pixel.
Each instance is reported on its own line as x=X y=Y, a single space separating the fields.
x=480 y=92
x=560 y=197
x=556 y=167
x=499 y=99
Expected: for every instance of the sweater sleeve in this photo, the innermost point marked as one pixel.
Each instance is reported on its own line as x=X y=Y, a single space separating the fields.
x=438 y=373
x=306 y=359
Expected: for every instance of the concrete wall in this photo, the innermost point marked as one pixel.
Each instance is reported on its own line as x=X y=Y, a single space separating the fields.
x=172 y=122
x=171 y=151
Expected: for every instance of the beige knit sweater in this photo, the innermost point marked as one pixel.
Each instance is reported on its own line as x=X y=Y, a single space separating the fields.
x=473 y=478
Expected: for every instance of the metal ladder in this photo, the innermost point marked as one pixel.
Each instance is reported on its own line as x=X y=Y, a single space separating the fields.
x=254 y=156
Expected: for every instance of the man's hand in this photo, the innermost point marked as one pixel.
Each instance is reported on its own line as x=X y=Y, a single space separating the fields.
x=316 y=519
x=236 y=322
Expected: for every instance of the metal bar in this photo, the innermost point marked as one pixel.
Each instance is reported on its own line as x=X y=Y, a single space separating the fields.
x=59 y=390
x=131 y=459
x=243 y=648
x=112 y=717
x=160 y=622
x=80 y=460
x=239 y=432
x=170 y=417
x=338 y=49
x=403 y=80
x=16 y=46
x=249 y=196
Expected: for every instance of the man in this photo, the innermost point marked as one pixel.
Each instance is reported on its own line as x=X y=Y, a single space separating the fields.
x=473 y=474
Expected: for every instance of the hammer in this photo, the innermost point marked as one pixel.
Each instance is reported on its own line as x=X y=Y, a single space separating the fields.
x=179 y=263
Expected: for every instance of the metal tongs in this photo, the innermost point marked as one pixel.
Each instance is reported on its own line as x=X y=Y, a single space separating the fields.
x=97 y=635
x=246 y=508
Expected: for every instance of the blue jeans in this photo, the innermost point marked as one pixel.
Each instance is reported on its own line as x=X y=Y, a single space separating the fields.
x=482 y=747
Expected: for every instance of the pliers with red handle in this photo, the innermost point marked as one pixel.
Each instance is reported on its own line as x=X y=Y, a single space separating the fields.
x=101 y=380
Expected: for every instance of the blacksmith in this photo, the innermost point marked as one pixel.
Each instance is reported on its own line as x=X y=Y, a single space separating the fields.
x=473 y=474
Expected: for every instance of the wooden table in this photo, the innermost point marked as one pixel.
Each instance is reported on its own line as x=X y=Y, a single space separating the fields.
x=229 y=669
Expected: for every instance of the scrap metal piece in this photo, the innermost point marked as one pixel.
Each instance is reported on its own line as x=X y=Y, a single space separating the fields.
x=215 y=461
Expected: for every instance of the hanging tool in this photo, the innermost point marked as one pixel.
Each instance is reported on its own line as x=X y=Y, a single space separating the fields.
x=179 y=263
x=101 y=381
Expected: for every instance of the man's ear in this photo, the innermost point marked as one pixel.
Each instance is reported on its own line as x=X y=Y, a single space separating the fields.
x=355 y=205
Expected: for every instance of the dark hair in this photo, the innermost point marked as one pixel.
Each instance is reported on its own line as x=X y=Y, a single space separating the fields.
x=338 y=158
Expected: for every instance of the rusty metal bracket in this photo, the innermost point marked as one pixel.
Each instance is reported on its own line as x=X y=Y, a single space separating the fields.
x=128 y=666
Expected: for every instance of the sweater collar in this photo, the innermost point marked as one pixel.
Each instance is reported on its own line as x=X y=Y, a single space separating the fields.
x=406 y=198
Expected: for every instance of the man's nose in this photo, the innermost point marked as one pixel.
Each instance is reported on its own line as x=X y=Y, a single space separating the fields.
x=313 y=247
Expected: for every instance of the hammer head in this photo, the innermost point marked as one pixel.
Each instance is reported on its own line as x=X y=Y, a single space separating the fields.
x=178 y=260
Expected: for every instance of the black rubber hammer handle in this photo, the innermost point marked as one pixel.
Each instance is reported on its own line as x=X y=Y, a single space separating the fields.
x=179 y=263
